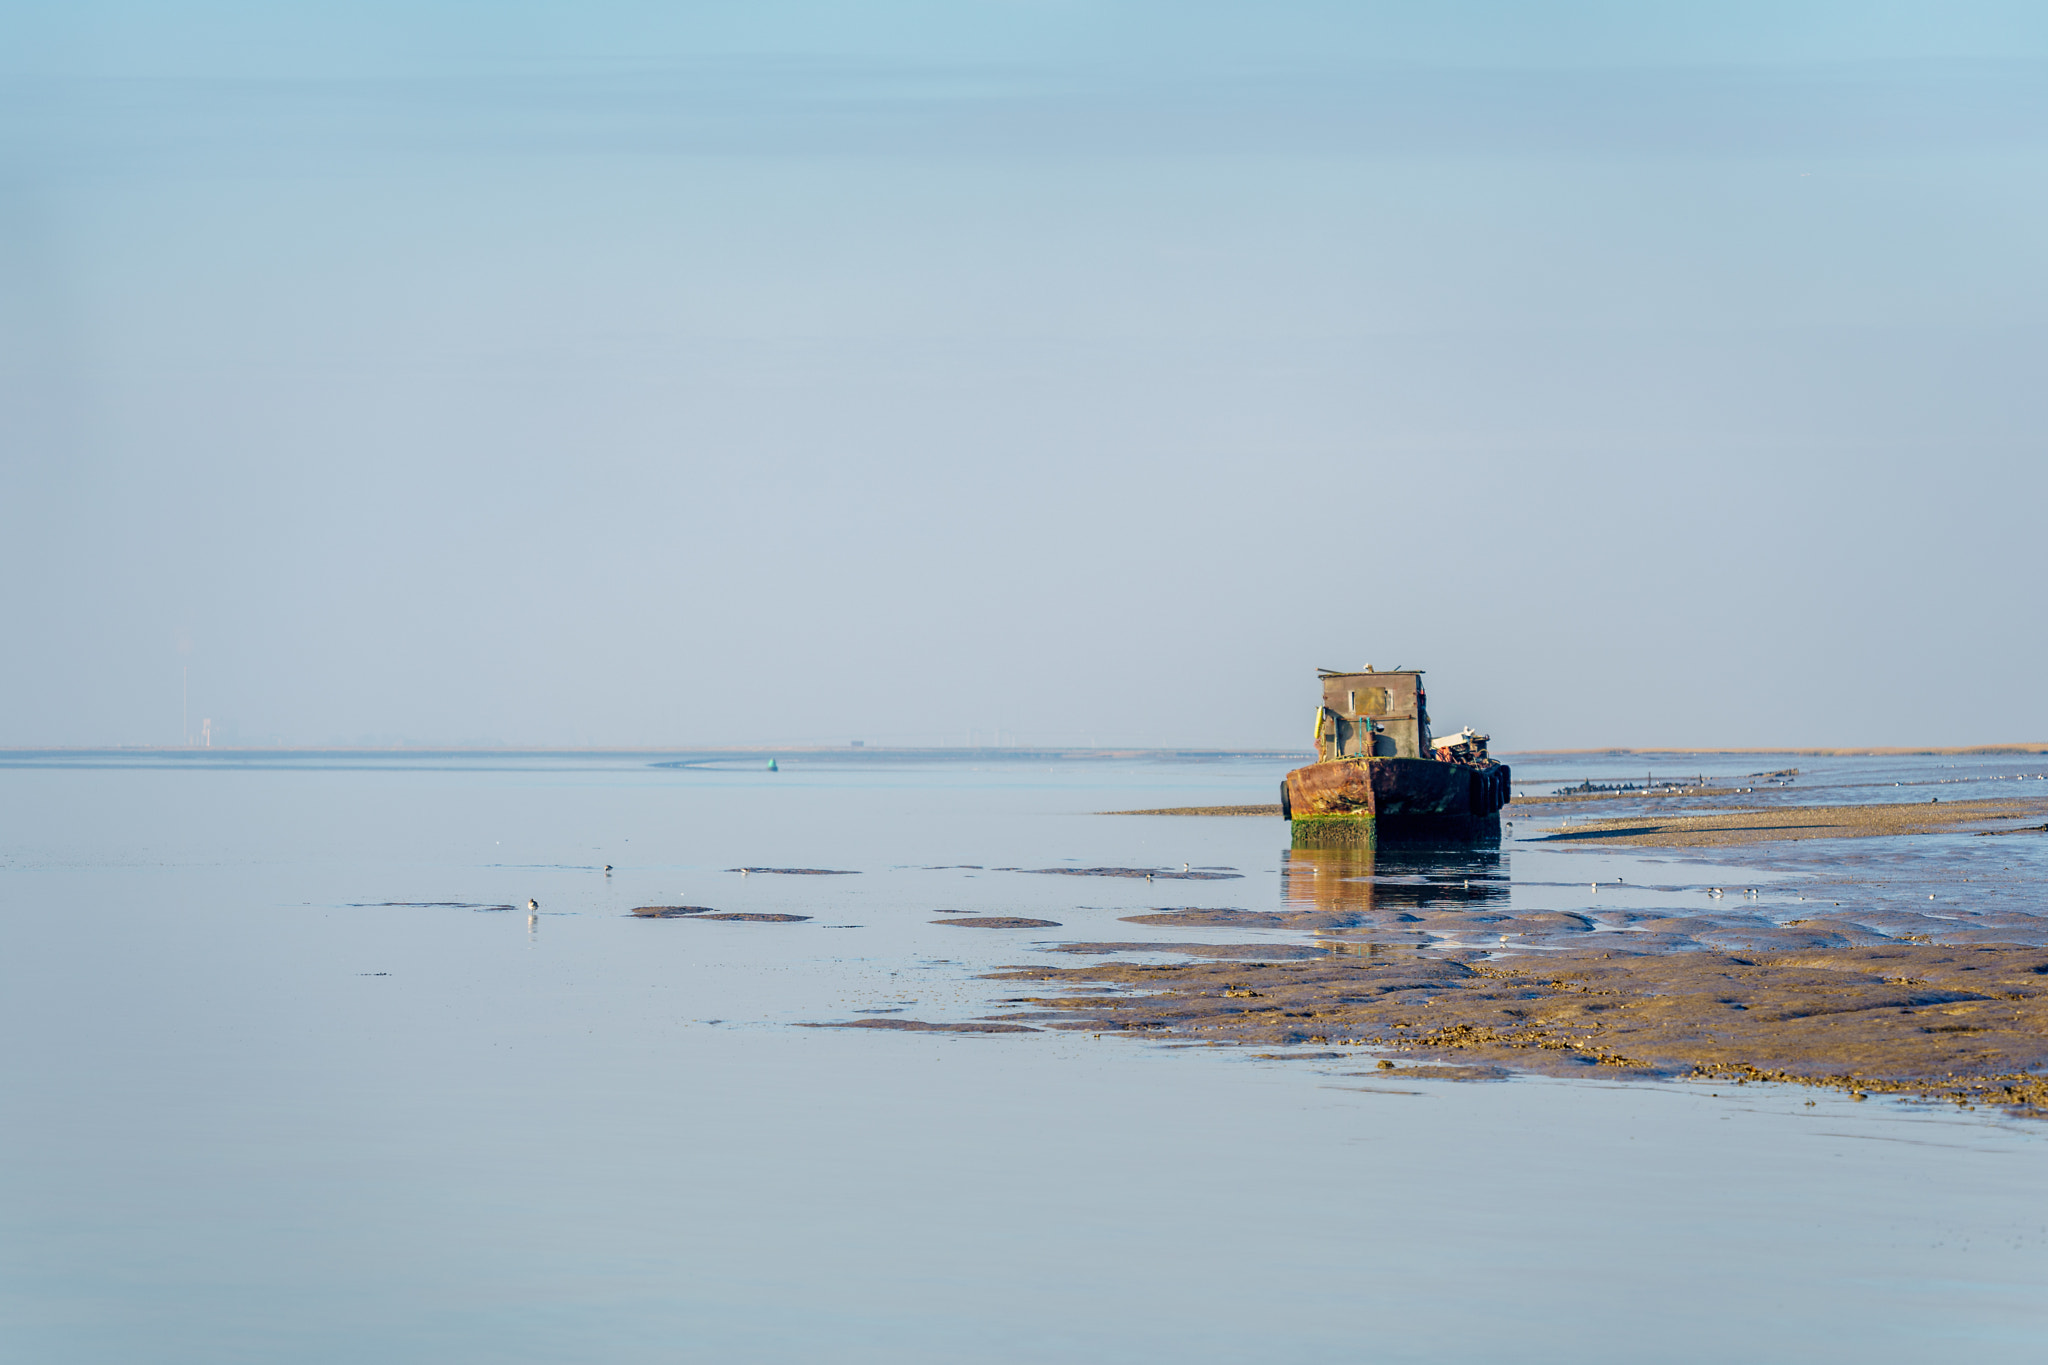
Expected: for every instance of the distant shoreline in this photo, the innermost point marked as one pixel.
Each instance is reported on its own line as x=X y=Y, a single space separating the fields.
x=715 y=752
x=1865 y=751
x=683 y=754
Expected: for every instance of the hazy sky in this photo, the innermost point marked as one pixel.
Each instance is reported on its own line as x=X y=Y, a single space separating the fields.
x=634 y=373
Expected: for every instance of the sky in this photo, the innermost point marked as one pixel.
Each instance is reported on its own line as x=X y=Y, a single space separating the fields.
x=623 y=374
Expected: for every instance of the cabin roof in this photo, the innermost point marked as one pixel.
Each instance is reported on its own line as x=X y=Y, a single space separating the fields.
x=1326 y=673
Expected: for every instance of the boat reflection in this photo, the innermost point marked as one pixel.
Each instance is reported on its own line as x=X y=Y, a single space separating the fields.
x=1392 y=880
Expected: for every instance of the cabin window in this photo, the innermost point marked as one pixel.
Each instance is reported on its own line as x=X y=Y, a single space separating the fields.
x=1372 y=701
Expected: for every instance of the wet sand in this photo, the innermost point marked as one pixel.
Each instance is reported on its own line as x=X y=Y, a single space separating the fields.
x=999 y=922
x=751 y=918
x=923 y=1026
x=1272 y=810
x=1263 y=952
x=1964 y=1025
x=1761 y=824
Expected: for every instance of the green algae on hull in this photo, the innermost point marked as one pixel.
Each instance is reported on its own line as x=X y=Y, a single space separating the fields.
x=1356 y=830
x=1362 y=831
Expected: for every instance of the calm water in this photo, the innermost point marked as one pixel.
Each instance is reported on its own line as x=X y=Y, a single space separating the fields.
x=255 y=1113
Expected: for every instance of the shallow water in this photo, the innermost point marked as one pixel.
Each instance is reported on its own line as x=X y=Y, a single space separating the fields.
x=1953 y=888
x=255 y=1113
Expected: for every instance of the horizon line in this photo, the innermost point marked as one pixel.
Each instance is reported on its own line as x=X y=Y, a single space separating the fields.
x=1109 y=750
x=1844 y=751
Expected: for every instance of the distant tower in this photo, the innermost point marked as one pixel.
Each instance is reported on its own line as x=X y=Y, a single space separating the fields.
x=206 y=733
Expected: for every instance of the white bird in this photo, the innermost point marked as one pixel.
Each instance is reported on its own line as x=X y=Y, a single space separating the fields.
x=531 y=905
x=607 y=867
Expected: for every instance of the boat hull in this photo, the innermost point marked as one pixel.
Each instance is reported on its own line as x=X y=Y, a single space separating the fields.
x=1349 y=802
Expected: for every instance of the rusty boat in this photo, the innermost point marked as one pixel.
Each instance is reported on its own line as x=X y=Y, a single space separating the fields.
x=1380 y=776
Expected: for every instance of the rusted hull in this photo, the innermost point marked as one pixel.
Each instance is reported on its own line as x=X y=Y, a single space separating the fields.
x=1395 y=786
x=1360 y=801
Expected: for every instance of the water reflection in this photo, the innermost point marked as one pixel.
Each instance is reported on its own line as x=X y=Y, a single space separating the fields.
x=1369 y=901
x=1394 y=879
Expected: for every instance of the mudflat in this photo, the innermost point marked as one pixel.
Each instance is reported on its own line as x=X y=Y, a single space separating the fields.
x=999 y=922
x=1962 y=1024
x=1272 y=810
x=1760 y=824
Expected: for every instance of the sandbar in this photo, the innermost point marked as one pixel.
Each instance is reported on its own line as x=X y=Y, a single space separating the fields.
x=1963 y=1024
x=1760 y=824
